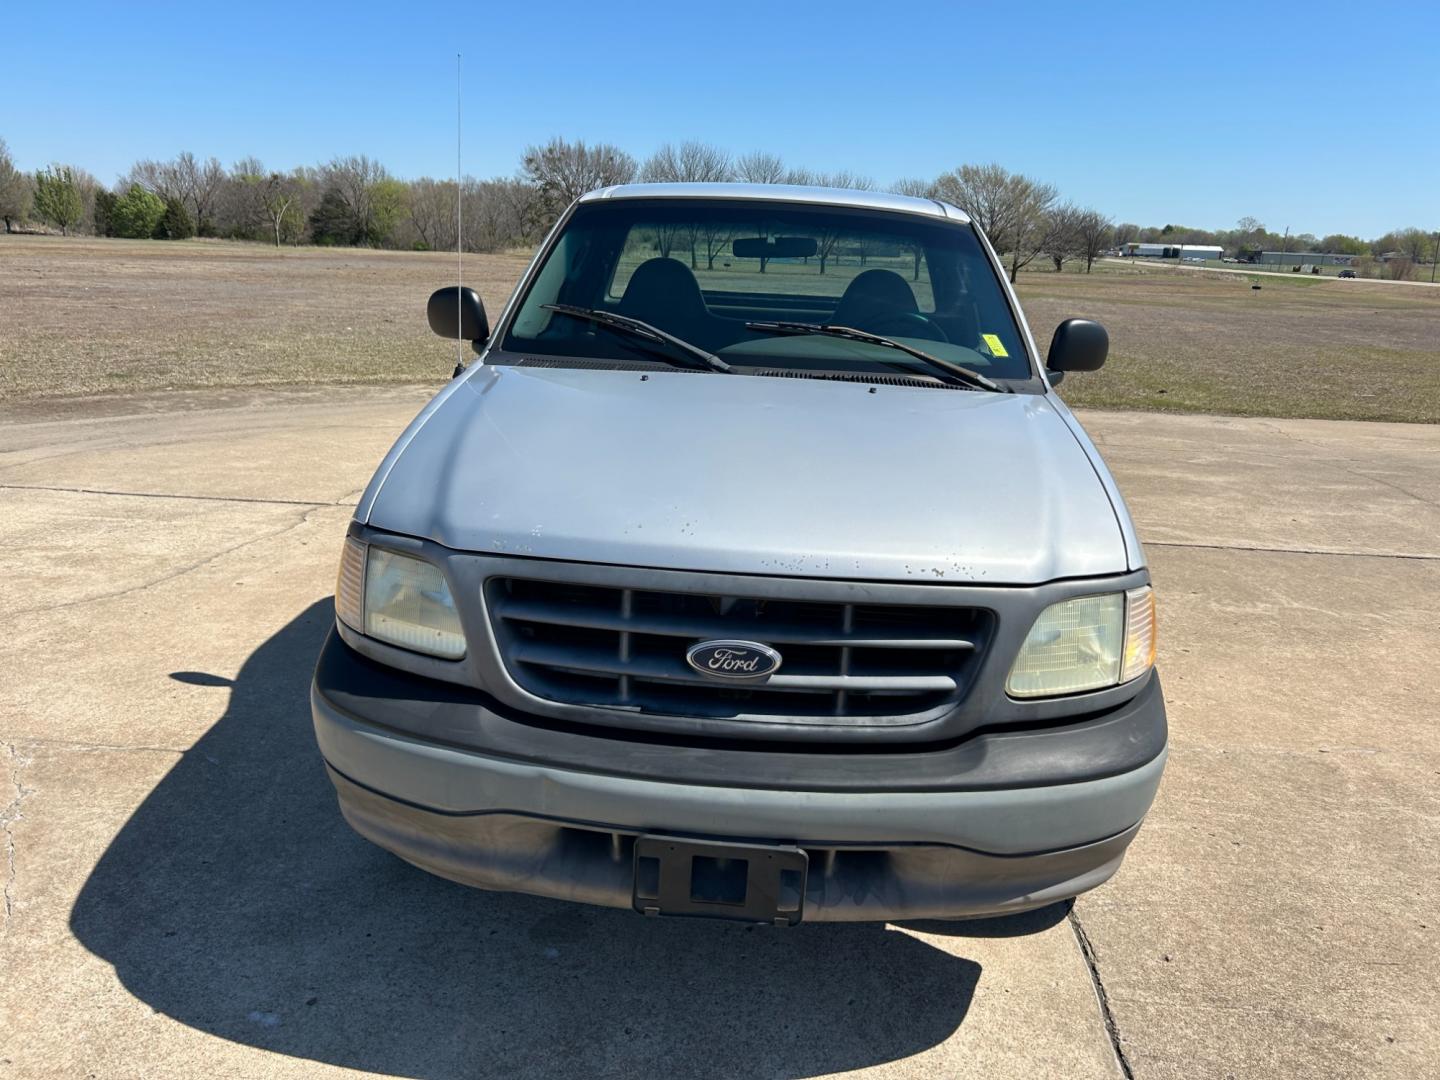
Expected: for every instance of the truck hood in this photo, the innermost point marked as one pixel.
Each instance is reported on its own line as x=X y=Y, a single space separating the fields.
x=752 y=475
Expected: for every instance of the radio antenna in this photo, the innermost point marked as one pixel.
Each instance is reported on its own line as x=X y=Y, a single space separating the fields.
x=459 y=233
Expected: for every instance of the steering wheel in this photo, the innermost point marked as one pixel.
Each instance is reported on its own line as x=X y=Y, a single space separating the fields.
x=906 y=324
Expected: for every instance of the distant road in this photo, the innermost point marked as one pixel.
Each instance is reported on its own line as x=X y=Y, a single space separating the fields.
x=1266 y=273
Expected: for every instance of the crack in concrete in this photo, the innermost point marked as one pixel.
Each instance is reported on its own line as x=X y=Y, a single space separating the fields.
x=8 y=817
x=141 y=587
x=1112 y=1029
x=1340 y=463
x=89 y=747
x=1411 y=555
x=172 y=495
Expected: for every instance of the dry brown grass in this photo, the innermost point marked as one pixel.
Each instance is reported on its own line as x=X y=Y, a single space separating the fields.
x=84 y=316
x=80 y=316
x=1191 y=341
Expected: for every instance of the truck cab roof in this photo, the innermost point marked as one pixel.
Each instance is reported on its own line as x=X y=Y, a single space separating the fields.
x=795 y=193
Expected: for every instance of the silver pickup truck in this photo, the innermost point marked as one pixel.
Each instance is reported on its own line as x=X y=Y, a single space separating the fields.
x=754 y=571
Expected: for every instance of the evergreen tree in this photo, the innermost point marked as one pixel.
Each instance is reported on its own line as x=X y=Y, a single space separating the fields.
x=175 y=224
x=332 y=223
x=104 y=213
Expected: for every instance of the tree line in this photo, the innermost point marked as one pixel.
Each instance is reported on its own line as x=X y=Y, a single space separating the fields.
x=356 y=201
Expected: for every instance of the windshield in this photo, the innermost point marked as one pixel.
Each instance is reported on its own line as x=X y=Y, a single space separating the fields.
x=701 y=269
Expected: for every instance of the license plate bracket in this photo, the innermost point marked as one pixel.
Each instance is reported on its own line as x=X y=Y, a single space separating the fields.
x=714 y=880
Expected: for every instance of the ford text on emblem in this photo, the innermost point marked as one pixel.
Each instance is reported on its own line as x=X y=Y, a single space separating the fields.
x=746 y=661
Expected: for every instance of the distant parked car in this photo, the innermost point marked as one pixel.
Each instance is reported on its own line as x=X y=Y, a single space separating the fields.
x=1347 y=273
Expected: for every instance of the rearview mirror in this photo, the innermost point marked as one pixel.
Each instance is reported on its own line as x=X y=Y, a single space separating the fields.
x=457 y=312
x=781 y=247
x=1078 y=345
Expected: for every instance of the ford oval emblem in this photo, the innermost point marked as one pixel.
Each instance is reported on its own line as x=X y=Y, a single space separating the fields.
x=739 y=661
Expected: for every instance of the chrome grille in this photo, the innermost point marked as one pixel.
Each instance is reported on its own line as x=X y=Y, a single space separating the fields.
x=625 y=649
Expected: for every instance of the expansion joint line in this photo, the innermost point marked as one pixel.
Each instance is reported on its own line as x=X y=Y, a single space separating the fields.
x=1112 y=1029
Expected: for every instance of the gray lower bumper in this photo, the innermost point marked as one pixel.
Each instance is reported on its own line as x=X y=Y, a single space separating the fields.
x=515 y=853
x=522 y=827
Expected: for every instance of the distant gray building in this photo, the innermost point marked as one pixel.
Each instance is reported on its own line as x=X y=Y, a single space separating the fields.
x=1301 y=258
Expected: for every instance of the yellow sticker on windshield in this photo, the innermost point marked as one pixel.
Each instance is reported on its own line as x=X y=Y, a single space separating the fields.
x=997 y=347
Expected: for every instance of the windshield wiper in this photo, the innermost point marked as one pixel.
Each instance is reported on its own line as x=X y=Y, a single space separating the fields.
x=643 y=330
x=959 y=371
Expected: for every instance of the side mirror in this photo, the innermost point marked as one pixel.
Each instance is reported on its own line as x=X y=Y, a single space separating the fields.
x=457 y=312
x=1078 y=345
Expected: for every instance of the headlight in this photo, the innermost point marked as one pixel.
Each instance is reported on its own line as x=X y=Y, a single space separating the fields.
x=1087 y=643
x=398 y=599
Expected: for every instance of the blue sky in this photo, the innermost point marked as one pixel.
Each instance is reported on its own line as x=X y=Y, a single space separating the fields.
x=1321 y=116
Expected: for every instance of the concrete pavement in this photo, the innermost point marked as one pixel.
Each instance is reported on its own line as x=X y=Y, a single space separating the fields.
x=182 y=898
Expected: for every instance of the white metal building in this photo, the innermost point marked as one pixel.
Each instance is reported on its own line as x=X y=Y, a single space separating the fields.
x=1173 y=251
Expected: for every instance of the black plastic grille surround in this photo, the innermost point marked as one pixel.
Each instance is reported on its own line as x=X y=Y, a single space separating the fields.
x=624 y=649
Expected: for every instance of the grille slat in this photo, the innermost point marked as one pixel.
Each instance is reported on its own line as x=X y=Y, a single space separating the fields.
x=586 y=661
x=540 y=611
x=624 y=649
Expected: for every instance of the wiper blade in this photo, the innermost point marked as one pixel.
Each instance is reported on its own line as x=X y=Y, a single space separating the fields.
x=642 y=330
x=959 y=371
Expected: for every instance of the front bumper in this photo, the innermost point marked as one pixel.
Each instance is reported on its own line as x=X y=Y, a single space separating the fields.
x=969 y=847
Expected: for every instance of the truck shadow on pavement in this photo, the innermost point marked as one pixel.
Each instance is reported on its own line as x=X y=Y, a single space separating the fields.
x=237 y=901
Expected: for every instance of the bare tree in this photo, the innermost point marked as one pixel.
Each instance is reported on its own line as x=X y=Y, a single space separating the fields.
x=918 y=189
x=373 y=201
x=355 y=178
x=1125 y=233
x=239 y=211
x=826 y=245
x=157 y=177
x=716 y=237
x=563 y=171
x=1095 y=232
x=432 y=212
x=14 y=190
x=280 y=197
x=248 y=166
x=89 y=188
x=691 y=162
x=495 y=213
x=1060 y=239
x=522 y=198
x=760 y=168
x=914 y=187
x=842 y=179
x=1011 y=208
x=197 y=184
x=200 y=183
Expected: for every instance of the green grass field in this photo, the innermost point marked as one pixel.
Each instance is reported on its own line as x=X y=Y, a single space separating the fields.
x=84 y=316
